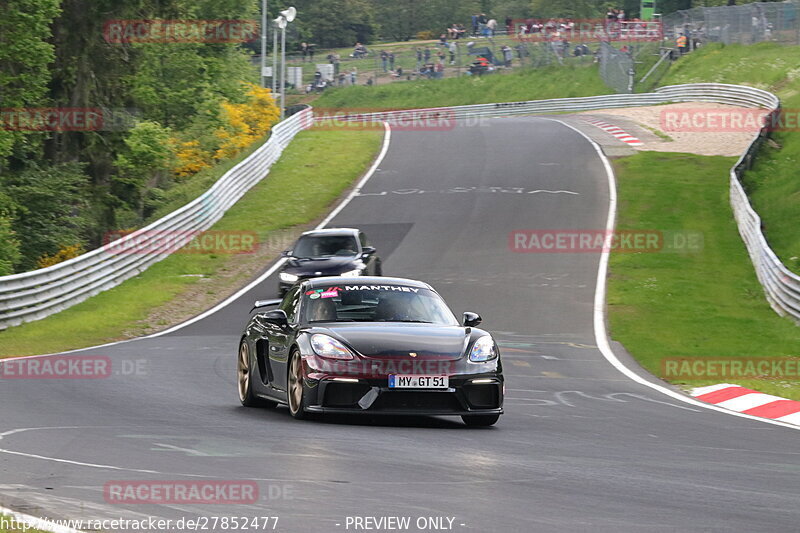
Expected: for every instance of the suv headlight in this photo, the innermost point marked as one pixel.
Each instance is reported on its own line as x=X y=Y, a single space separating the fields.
x=351 y=273
x=483 y=350
x=327 y=346
x=288 y=278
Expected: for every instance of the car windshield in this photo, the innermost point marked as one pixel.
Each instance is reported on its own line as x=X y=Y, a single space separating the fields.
x=376 y=303
x=325 y=246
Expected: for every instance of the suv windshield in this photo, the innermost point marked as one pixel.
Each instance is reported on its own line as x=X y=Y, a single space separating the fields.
x=325 y=246
x=376 y=303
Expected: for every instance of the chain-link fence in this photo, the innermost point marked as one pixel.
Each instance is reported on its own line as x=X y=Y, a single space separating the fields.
x=617 y=68
x=745 y=24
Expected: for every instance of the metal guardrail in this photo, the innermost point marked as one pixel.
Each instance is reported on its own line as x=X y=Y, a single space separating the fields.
x=39 y=293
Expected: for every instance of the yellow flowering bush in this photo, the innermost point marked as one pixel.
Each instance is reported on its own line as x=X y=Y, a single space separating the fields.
x=66 y=252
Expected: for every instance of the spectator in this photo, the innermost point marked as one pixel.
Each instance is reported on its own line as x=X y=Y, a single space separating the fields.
x=453 y=49
x=441 y=56
x=341 y=78
x=419 y=57
x=491 y=26
x=384 y=60
x=439 y=70
x=509 y=26
x=353 y=76
x=391 y=60
x=427 y=54
x=508 y=55
x=443 y=40
x=475 y=24
x=311 y=50
x=304 y=50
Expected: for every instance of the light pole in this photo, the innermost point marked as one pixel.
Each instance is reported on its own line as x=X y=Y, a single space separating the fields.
x=287 y=16
x=275 y=57
x=263 y=41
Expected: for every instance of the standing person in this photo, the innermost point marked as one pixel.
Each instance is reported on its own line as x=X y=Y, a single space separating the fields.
x=391 y=60
x=311 y=50
x=304 y=50
x=427 y=54
x=353 y=76
x=452 y=48
x=491 y=26
x=384 y=59
x=419 y=57
x=439 y=70
x=441 y=56
x=474 y=24
x=508 y=55
x=682 y=41
x=509 y=26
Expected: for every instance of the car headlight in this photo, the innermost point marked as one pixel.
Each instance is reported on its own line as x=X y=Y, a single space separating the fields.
x=288 y=278
x=483 y=350
x=327 y=346
x=351 y=273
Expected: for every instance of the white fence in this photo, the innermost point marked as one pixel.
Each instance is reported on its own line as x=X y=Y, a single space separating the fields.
x=34 y=295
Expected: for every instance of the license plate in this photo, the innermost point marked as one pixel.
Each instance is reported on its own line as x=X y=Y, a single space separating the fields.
x=418 y=382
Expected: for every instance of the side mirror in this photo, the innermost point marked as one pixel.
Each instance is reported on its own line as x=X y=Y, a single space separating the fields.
x=277 y=317
x=368 y=250
x=472 y=319
x=286 y=253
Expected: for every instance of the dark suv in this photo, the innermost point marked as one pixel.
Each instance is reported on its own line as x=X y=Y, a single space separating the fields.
x=329 y=252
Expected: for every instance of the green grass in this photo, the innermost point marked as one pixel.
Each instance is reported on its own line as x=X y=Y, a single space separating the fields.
x=312 y=173
x=524 y=84
x=695 y=304
x=774 y=183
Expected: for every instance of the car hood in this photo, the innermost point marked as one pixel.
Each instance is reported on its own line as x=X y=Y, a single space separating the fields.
x=324 y=265
x=390 y=340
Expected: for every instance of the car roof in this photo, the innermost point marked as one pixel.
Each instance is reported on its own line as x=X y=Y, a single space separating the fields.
x=332 y=231
x=365 y=280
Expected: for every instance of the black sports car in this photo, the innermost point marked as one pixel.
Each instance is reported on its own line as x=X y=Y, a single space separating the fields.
x=329 y=252
x=369 y=345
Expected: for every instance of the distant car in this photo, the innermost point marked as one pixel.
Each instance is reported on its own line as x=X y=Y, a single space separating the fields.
x=329 y=252
x=370 y=346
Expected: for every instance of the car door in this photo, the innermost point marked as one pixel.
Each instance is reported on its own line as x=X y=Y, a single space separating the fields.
x=280 y=339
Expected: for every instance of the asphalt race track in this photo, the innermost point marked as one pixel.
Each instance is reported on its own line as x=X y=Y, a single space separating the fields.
x=580 y=448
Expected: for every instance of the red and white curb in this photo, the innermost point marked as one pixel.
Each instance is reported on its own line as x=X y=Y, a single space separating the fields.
x=616 y=131
x=749 y=402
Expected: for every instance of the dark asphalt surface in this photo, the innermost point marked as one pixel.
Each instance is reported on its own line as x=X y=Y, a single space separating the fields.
x=580 y=448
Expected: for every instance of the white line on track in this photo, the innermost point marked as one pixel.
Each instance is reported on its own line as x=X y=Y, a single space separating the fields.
x=600 y=331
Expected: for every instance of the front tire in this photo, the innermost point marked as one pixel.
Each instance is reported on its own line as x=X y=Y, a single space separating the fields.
x=480 y=420
x=297 y=396
x=244 y=377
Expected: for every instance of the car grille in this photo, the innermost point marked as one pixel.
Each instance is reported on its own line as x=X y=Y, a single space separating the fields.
x=444 y=401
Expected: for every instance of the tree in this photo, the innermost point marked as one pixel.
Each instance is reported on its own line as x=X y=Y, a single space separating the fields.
x=24 y=57
x=9 y=244
x=50 y=209
x=336 y=23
